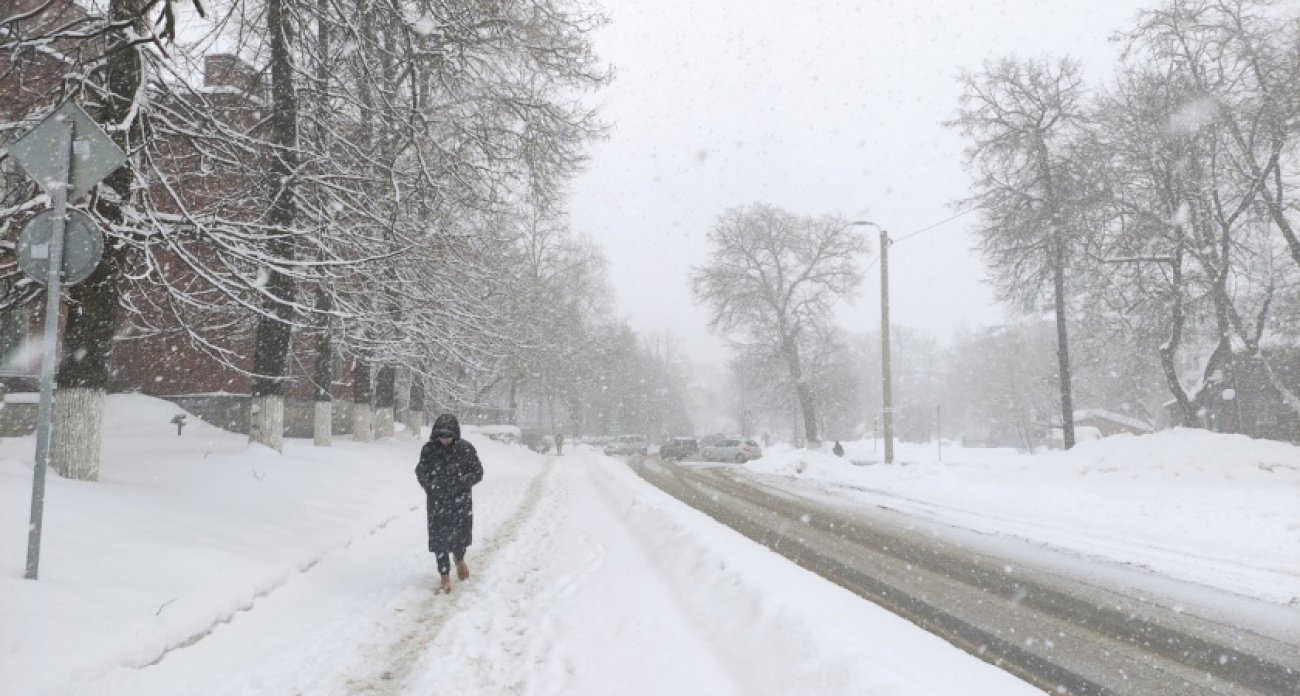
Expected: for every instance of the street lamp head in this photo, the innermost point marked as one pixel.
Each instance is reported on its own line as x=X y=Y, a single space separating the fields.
x=884 y=234
x=867 y=223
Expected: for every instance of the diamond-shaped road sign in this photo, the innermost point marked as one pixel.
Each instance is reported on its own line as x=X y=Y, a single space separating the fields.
x=94 y=155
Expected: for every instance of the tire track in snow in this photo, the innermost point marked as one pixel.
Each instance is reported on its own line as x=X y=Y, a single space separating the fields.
x=426 y=614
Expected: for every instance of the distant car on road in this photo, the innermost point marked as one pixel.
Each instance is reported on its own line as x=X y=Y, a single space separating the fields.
x=731 y=450
x=628 y=444
x=680 y=448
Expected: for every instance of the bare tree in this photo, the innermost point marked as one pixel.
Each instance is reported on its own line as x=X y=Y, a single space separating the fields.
x=772 y=278
x=1023 y=118
x=1193 y=136
x=380 y=244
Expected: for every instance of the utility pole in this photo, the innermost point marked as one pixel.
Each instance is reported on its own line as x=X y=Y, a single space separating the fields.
x=886 y=381
x=887 y=391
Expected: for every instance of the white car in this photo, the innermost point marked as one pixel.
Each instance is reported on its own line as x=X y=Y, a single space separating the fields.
x=731 y=450
x=628 y=444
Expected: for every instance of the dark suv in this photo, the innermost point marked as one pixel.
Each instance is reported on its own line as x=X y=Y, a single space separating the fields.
x=680 y=448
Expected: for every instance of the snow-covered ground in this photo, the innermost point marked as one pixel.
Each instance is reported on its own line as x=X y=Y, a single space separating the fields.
x=202 y=565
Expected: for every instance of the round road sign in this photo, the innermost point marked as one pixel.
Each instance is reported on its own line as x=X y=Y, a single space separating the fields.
x=83 y=247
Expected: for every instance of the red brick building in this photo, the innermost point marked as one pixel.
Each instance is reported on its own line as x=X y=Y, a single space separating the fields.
x=154 y=353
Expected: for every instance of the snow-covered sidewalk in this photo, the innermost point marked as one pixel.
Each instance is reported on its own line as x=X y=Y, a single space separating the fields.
x=200 y=565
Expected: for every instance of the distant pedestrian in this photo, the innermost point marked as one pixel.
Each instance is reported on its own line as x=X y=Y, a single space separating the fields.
x=838 y=449
x=559 y=444
x=448 y=469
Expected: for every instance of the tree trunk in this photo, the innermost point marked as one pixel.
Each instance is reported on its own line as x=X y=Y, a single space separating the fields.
x=323 y=370
x=323 y=375
x=1188 y=418
x=806 y=402
x=266 y=421
x=322 y=423
x=384 y=425
x=274 y=328
x=82 y=381
x=363 y=422
x=1062 y=340
x=362 y=413
x=415 y=410
x=385 y=401
x=92 y=319
x=75 y=438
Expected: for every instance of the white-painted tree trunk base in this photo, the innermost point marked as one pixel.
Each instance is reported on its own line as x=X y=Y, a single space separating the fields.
x=384 y=423
x=76 y=431
x=266 y=421
x=414 y=423
x=363 y=423
x=322 y=425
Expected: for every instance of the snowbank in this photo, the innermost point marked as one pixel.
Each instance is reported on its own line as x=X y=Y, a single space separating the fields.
x=1216 y=509
x=179 y=535
x=500 y=433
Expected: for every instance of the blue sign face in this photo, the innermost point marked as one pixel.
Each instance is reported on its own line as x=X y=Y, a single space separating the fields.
x=83 y=247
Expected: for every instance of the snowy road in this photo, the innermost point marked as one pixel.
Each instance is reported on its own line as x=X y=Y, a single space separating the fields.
x=1050 y=628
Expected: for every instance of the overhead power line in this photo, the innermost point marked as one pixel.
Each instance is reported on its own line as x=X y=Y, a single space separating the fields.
x=927 y=228
x=941 y=222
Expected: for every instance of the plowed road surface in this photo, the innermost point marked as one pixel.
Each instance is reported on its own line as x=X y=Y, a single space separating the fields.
x=1049 y=627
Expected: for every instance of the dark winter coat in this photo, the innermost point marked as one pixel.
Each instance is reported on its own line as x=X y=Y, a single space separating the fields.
x=447 y=473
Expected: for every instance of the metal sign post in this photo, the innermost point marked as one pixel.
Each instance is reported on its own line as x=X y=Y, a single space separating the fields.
x=66 y=166
x=63 y=156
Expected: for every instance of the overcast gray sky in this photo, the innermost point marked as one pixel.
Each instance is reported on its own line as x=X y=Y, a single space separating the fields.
x=830 y=106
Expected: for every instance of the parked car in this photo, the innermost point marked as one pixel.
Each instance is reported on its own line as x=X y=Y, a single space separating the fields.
x=708 y=440
x=731 y=450
x=628 y=444
x=680 y=448
x=537 y=442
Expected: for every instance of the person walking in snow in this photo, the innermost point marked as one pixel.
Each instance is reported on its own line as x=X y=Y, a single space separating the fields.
x=559 y=444
x=448 y=469
x=838 y=449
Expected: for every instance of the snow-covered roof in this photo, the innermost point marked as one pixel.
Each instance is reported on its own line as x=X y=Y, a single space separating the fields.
x=1113 y=417
x=493 y=429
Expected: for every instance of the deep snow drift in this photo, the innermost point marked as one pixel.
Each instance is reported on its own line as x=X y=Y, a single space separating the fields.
x=202 y=565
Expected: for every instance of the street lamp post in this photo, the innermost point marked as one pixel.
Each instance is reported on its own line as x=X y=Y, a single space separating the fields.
x=886 y=383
